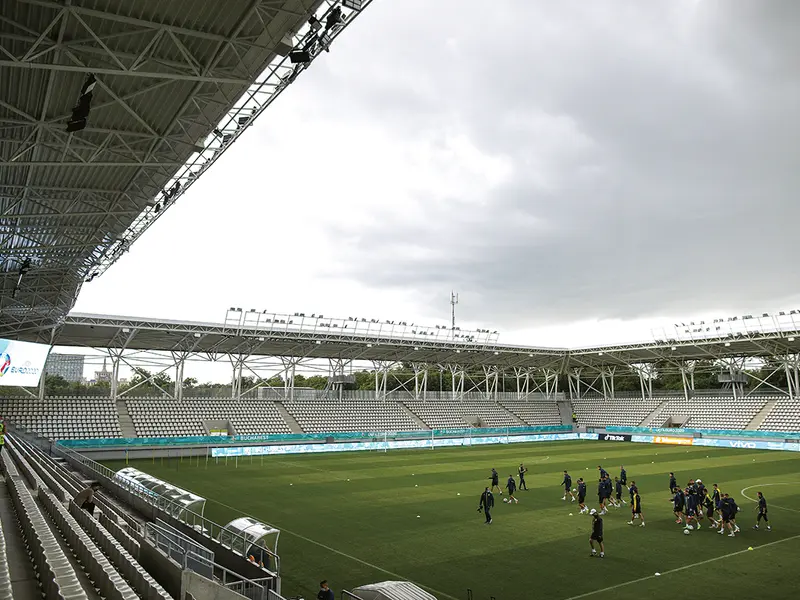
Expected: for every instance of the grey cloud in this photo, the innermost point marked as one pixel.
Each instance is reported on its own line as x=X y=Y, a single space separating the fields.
x=666 y=135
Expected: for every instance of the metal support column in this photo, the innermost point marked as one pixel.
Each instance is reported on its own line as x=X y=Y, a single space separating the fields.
x=607 y=377
x=382 y=369
x=574 y=377
x=522 y=376
x=237 y=362
x=687 y=377
x=457 y=374
x=646 y=373
x=420 y=381
x=491 y=379
x=180 y=360
x=791 y=364
x=550 y=383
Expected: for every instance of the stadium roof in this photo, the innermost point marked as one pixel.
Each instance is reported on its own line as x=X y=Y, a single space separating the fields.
x=175 y=83
x=395 y=345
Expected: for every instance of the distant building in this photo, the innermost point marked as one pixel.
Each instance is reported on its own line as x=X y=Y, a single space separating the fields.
x=68 y=366
x=103 y=375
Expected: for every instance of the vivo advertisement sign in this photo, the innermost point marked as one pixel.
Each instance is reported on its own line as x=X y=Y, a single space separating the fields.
x=21 y=363
x=392 y=444
x=746 y=444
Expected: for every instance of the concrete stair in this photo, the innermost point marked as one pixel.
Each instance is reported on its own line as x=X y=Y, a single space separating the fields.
x=126 y=426
x=648 y=420
x=294 y=427
x=565 y=410
x=412 y=415
x=761 y=416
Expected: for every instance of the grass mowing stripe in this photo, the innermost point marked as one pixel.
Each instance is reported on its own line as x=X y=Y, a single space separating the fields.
x=344 y=554
x=683 y=568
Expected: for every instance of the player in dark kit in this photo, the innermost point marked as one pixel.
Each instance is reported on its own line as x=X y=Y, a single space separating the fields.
x=522 y=470
x=636 y=510
x=603 y=472
x=567 y=483
x=486 y=504
x=678 y=505
x=762 y=512
x=618 y=483
x=582 y=495
x=597 y=535
x=673 y=483
x=495 y=482
x=511 y=486
x=623 y=475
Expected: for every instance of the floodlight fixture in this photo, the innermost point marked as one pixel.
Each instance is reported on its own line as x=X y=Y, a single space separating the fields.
x=300 y=57
x=314 y=23
x=352 y=4
x=674 y=348
x=727 y=344
x=791 y=339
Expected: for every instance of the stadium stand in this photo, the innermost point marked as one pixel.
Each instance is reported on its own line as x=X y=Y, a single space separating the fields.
x=158 y=417
x=444 y=414
x=75 y=555
x=320 y=416
x=625 y=412
x=719 y=412
x=785 y=416
x=535 y=412
x=64 y=418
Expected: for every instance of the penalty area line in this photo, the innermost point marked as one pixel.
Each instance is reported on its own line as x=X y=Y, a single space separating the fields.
x=345 y=555
x=683 y=568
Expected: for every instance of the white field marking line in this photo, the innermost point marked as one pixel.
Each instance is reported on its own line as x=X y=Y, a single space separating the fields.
x=683 y=568
x=351 y=557
x=768 y=485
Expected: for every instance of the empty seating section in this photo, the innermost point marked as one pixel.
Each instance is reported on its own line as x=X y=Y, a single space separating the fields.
x=63 y=418
x=172 y=418
x=74 y=556
x=711 y=412
x=620 y=412
x=452 y=414
x=534 y=412
x=784 y=416
x=322 y=416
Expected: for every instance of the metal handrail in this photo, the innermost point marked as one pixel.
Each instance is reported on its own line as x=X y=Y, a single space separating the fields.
x=196 y=521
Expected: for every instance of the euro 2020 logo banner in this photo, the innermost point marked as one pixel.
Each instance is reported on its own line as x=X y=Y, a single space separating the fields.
x=5 y=364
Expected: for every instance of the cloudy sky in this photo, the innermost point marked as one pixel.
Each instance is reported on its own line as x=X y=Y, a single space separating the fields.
x=580 y=172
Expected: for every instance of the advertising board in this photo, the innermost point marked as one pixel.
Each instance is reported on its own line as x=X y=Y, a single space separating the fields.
x=21 y=363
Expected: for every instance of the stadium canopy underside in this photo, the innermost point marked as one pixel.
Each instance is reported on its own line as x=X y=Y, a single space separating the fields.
x=169 y=87
x=386 y=345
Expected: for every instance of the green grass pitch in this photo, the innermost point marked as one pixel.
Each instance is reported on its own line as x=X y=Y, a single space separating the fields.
x=351 y=518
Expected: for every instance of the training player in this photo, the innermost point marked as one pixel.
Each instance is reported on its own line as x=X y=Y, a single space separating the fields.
x=707 y=503
x=486 y=504
x=636 y=509
x=597 y=535
x=567 y=483
x=673 y=483
x=511 y=486
x=762 y=512
x=495 y=482
x=623 y=476
x=678 y=505
x=522 y=470
x=726 y=507
x=603 y=472
x=582 y=495
x=692 y=508
x=618 y=488
x=601 y=496
x=632 y=489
